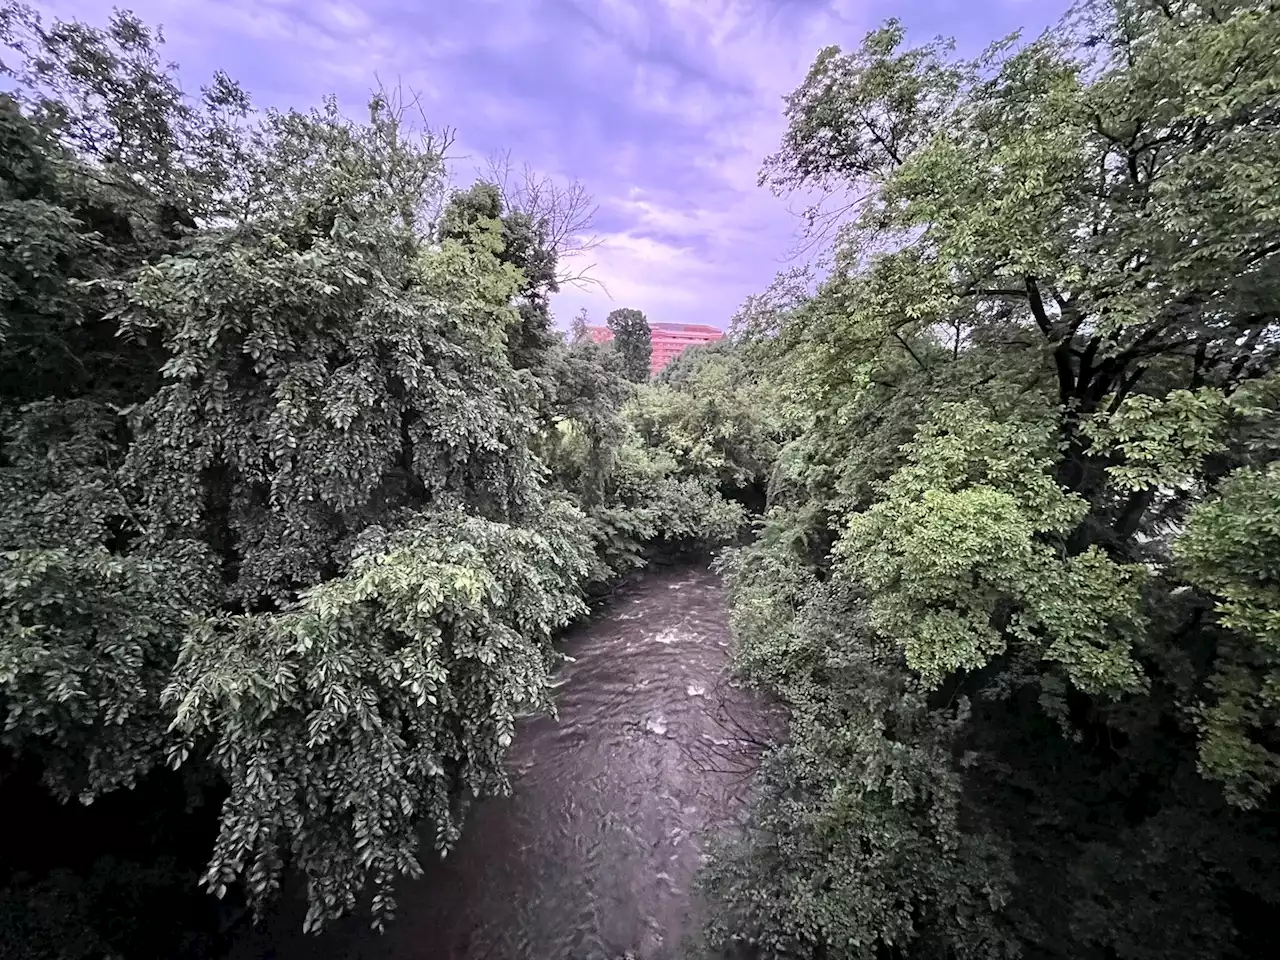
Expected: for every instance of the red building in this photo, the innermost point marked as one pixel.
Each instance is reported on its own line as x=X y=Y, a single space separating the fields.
x=669 y=340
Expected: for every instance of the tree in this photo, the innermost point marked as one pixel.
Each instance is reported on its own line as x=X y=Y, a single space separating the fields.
x=564 y=214
x=296 y=485
x=578 y=327
x=632 y=339
x=715 y=417
x=479 y=215
x=271 y=511
x=643 y=498
x=1012 y=581
x=580 y=444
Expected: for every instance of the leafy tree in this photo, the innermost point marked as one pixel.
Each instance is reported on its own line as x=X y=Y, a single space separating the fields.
x=643 y=500
x=578 y=326
x=298 y=486
x=1014 y=580
x=388 y=694
x=1229 y=551
x=682 y=370
x=581 y=443
x=271 y=506
x=523 y=245
x=712 y=414
x=106 y=95
x=632 y=339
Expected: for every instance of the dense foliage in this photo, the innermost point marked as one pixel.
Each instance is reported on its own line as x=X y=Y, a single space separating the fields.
x=298 y=484
x=642 y=499
x=633 y=339
x=716 y=417
x=1017 y=579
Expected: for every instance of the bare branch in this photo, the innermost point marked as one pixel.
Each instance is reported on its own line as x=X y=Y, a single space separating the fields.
x=399 y=103
x=565 y=212
x=403 y=107
x=824 y=219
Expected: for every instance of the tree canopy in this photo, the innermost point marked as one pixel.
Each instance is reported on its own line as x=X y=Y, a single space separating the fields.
x=632 y=339
x=299 y=484
x=1015 y=582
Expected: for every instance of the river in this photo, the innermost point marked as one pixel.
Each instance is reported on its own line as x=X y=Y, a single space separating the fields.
x=593 y=855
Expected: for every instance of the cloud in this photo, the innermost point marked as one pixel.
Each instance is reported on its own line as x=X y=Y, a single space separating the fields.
x=663 y=109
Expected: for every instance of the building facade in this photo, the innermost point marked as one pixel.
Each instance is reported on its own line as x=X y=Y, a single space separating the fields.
x=669 y=340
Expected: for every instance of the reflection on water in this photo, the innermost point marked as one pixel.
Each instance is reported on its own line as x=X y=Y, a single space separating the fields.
x=593 y=854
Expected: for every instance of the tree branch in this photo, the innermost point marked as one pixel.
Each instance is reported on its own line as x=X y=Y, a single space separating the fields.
x=906 y=346
x=1037 y=308
x=1061 y=355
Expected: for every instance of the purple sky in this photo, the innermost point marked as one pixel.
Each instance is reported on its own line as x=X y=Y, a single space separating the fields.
x=662 y=108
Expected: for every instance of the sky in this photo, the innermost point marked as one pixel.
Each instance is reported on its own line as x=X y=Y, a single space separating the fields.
x=662 y=109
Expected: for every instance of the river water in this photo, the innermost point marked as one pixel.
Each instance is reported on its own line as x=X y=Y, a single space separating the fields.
x=593 y=854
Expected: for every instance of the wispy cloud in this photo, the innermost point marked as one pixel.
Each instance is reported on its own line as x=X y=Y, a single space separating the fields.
x=664 y=109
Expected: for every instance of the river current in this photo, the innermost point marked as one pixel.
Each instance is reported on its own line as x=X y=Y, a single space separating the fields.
x=593 y=855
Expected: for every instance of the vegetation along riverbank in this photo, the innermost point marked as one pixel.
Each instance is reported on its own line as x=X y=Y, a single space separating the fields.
x=300 y=484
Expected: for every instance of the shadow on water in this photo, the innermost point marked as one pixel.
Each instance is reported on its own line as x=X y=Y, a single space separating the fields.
x=593 y=854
